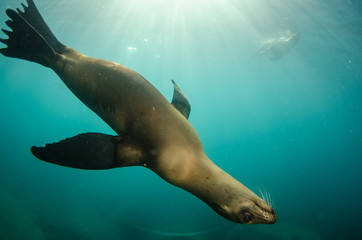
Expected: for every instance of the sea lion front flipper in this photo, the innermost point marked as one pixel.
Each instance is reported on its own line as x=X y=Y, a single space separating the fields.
x=89 y=151
x=180 y=102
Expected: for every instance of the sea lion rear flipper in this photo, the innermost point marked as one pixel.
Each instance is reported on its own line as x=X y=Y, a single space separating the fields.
x=180 y=102
x=30 y=38
x=89 y=151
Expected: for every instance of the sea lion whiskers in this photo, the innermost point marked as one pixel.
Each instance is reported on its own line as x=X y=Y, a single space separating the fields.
x=266 y=197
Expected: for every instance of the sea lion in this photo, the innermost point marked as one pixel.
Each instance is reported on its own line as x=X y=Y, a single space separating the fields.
x=278 y=46
x=151 y=132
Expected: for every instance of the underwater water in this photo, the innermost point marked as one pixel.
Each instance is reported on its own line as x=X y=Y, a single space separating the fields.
x=276 y=94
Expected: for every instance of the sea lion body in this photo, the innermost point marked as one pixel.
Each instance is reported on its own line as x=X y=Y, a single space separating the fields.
x=130 y=105
x=151 y=132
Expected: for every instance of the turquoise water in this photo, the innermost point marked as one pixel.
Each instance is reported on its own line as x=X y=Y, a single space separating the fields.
x=290 y=125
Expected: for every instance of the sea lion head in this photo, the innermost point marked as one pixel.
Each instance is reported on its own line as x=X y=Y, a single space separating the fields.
x=247 y=208
x=254 y=211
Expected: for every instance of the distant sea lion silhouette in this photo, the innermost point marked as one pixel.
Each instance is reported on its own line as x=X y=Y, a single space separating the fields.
x=151 y=132
x=278 y=46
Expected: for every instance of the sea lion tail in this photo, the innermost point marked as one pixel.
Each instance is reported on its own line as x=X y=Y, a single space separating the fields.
x=30 y=38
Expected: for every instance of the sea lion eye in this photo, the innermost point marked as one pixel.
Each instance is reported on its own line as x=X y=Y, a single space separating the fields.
x=247 y=218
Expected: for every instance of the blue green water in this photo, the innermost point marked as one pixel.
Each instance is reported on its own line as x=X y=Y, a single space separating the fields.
x=292 y=126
